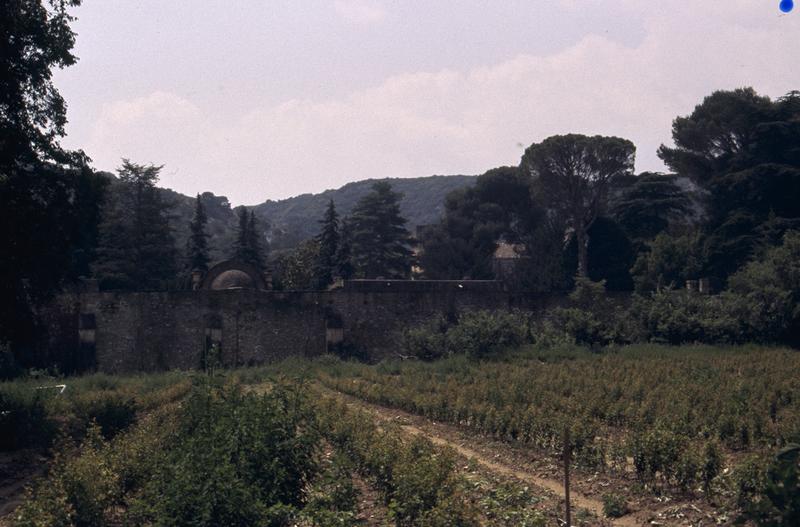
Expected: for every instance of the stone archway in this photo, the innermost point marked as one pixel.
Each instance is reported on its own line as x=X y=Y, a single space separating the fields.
x=233 y=274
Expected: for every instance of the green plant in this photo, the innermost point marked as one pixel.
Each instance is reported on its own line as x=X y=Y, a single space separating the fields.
x=425 y=342
x=23 y=418
x=778 y=503
x=614 y=506
x=481 y=334
x=113 y=411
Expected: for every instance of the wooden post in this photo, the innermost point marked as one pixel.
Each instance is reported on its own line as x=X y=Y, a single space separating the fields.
x=566 y=477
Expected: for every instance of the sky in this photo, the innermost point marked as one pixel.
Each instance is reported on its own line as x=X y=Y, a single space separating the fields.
x=269 y=99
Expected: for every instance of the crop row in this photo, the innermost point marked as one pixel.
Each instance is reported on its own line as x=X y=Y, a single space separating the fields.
x=673 y=410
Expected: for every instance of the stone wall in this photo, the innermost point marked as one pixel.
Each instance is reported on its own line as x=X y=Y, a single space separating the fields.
x=164 y=330
x=155 y=331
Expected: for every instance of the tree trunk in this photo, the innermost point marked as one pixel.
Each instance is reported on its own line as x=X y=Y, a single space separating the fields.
x=582 y=239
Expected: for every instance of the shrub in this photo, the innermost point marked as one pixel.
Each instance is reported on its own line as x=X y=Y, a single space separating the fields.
x=769 y=288
x=417 y=479
x=80 y=489
x=592 y=320
x=23 y=419
x=113 y=411
x=676 y=317
x=480 y=334
x=238 y=459
x=614 y=506
x=657 y=451
x=8 y=365
x=425 y=342
x=332 y=499
x=778 y=504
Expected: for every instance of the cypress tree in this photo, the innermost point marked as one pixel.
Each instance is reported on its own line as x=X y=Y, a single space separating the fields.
x=249 y=246
x=344 y=262
x=198 y=238
x=325 y=265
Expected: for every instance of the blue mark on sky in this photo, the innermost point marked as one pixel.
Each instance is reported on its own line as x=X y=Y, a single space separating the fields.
x=786 y=5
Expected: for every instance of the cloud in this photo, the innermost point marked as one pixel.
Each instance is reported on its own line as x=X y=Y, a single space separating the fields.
x=458 y=121
x=360 y=11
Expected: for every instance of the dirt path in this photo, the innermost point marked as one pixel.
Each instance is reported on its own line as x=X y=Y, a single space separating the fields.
x=17 y=470
x=556 y=487
x=549 y=485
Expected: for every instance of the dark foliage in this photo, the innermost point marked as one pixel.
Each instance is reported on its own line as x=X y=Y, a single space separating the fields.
x=197 y=247
x=380 y=243
x=476 y=218
x=249 y=246
x=742 y=149
x=572 y=174
x=137 y=250
x=326 y=264
x=649 y=205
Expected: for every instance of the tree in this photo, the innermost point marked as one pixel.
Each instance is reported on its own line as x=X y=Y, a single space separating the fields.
x=325 y=266
x=197 y=251
x=649 y=205
x=295 y=269
x=137 y=249
x=344 y=253
x=610 y=254
x=572 y=174
x=34 y=39
x=668 y=262
x=380 y=241
x=498 y=207
x=249 y=247
x=48 y=220
x=742 y=149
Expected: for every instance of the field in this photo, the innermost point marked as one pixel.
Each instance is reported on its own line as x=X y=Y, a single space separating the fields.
x=657 y=436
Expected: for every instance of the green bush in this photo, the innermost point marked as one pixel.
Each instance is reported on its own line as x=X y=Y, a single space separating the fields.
x=238 y=459
x=481 y=334
x=677 y=317
x=477 y=334
x=80 y=488
x=778 y=502
x=23 y=419
x=333 y=499
x=657 y=452
x=425 y=342
x=614 y=506
x=113 y=411
x=769 y=289
x=416 y=479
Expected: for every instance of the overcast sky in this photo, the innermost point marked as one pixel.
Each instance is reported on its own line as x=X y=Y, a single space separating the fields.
x=257 y=99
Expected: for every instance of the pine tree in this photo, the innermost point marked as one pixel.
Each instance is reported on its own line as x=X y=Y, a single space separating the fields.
x=197 y=251
x=380 y=241
x=137 y=249
x=344 y=257
x=325 y=265
x=249 y=247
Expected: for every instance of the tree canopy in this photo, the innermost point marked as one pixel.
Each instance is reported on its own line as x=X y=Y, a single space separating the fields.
x=742 y=148
x=35 y=38
x=572 y=174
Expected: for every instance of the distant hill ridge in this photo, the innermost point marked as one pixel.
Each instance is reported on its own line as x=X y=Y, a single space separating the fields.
x=294 y=220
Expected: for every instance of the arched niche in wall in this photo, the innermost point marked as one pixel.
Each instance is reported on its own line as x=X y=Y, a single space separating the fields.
x=233 y=274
